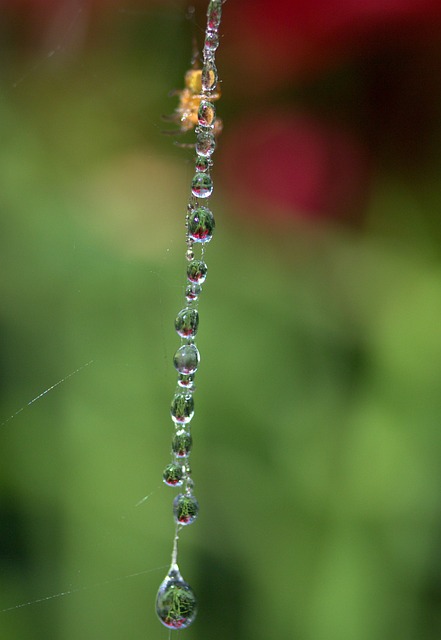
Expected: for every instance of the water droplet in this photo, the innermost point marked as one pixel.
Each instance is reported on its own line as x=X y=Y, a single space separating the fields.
x=187 y=320
x=173 y=475
x=211 y=41
x=181 y=444
x=197 y=272
x=192 y=292
x=202 y=163
x=189 y=254
x=201 y=225
x=209 y=77
x=182 y=408
x=176 y=603
x=202 y=185
x=185 y=508
x=186 y=359
x=214 y=14
x=189 y=484
x=206 y=113
x=186 y=382
x=205 y=144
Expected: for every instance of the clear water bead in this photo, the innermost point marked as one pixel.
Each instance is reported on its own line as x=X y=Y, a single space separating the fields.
x=173 y=475
x=206 y=113
x=202 y=185
x=181 y=445
x=182 y=408
x=214 y=14
x=202 y=164
x=176 y=604
x=211 y=41
x=189 y=254
x=205 y=144
x=192 y=292
x=186 y=359
x=197 y=273
x=187 y=320
x=201 y=225
x=185 y=509
x=189 y=484
x=209 y=77
x=186 y=382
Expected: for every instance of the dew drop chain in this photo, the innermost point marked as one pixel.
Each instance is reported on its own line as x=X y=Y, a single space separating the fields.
x=176 y=604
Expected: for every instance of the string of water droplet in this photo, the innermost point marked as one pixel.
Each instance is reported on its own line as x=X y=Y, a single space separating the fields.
x=176 y=603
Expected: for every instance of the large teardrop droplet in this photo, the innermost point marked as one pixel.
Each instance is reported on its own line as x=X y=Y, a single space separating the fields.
x=186 y=359
x=185 y=509
x=201 y=225
x=182 y=408
x=187 y=321
x=176 y=604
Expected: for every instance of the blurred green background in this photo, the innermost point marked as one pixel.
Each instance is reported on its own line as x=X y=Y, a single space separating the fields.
x=317 y=454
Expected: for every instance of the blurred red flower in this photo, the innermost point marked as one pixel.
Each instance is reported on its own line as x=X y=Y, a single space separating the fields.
x=270 y=40
x=276 y=160
x=318 y=166
x=288 y=164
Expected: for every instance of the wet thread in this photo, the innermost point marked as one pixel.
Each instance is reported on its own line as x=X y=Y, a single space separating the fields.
x=176 y=604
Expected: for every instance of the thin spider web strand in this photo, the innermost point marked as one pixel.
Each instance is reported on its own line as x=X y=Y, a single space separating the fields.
x=97 y=585
x=43 y=393
x=57 y=49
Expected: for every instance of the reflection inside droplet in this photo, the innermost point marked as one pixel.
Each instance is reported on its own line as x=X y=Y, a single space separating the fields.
x=176 y=603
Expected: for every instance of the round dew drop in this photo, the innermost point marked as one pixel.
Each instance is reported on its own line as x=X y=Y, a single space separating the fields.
x=205 y=144
x=201 y=225
x=187 y=321
x=182 y=408
x=181 y=445
x=176 y=604
x=202 y=164
x=197 y=273
x=173 y=475
x=186 y=359
x=206 y=113
x=185 y=509
x=202 y=185
x=192 y=292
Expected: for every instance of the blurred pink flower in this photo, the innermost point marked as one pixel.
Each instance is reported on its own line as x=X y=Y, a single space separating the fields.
x=283 y=163
x=268 y=41
x=292 y=165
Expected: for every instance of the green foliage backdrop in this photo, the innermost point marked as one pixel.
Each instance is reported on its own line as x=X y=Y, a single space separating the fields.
x=317 y=454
